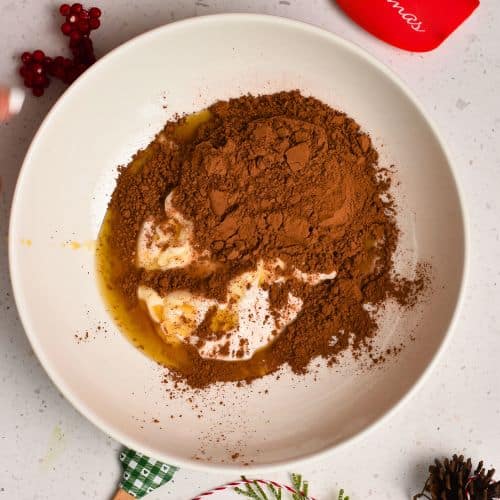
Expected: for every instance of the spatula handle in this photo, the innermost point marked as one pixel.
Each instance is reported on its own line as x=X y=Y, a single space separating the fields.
x=122 y=495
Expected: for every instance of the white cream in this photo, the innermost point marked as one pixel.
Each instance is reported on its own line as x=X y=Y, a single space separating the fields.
x=165 y=245
x=246 y=311
x=313 y=278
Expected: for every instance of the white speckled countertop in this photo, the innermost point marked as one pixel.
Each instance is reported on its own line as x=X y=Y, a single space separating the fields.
x=49 y=451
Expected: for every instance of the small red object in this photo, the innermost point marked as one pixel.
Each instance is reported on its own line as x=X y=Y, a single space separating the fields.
x=414 y=25
x=37 y=68
x=76 y=8
x=95 y=12
x=83 y=27
x=75 y=35
x=66 y=28
x=39 y=80
x=26 y=57
x=64 y=9
x=38 y=56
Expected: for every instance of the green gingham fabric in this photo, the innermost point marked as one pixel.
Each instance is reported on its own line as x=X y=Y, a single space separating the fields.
x=141 y=474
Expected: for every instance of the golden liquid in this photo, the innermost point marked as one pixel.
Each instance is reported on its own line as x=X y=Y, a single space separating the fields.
x=135 y=323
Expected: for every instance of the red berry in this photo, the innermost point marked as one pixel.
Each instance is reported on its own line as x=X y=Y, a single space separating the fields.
x=24 y=71
x=94 y=23
x=67 y=63
x=64 y=9
x=72 y=19
x=28 y=82
x=38 y=56
x=26 y=57
x=75 y=35
x=39 y=81
x=83 y=14
x=83 y=27
x=76 y=8
x=37 y=68
x=47 y=61
x=66 y=28
x=37 y=91
x=95 y=12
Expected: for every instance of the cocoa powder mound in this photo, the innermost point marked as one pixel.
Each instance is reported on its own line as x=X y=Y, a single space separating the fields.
x=278 y=176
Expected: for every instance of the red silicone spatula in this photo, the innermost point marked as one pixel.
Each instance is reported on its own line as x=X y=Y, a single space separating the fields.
x=415 y=25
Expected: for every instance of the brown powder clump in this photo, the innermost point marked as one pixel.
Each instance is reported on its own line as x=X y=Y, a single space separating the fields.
x=279 y=176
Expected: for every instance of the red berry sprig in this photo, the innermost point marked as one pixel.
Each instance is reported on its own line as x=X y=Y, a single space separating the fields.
x=37 y=67
x=79 y=22
x=34 y=71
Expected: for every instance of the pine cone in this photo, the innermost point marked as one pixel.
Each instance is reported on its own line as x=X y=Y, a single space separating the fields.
x=448 y=481
x=482 y=487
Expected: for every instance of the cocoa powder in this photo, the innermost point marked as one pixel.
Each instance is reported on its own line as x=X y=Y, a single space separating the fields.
x=278 y=176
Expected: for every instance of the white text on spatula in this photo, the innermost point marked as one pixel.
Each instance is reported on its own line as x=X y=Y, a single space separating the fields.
x=410 y=19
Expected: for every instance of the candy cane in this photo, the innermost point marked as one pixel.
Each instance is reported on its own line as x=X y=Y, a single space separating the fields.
x=242 y=482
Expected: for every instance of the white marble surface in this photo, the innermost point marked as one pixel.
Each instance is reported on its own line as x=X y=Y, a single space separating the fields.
x=48 y=450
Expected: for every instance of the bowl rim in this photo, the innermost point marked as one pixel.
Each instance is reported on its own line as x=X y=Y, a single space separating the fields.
x=192 y=464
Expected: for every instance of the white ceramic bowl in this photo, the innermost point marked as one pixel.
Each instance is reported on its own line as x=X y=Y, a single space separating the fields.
x=68 y=175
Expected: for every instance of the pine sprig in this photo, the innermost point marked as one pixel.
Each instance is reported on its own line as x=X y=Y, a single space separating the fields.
x=254 y=490
x=258 y=493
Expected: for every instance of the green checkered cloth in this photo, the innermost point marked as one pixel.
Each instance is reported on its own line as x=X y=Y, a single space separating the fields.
x=141 y=474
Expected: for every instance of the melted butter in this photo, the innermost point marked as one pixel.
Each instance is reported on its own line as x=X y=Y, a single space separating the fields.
x=77 y=245
x=185 y=131
x=224 y=321
x=135 y=322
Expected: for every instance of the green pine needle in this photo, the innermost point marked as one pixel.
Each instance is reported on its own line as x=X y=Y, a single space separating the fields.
x=305 y=488
x=341 y=496
x=274 y=491
x=261 y=491
x=249 y=494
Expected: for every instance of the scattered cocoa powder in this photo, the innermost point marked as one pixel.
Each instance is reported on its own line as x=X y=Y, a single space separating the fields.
x=278 y=176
